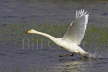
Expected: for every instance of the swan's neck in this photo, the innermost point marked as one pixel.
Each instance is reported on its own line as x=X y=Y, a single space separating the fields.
x=42 y=34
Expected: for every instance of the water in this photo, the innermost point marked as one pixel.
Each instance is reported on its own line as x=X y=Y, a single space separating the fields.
x=20 y=52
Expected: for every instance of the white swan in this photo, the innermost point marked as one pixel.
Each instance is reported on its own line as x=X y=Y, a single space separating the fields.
x=74 y=35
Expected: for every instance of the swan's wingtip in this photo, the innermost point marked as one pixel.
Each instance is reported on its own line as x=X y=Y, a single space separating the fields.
x=81 y=12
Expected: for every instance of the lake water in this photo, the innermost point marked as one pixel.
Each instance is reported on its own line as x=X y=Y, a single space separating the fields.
x=20 y=52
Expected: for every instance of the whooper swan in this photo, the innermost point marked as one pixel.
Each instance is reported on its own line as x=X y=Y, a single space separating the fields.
x=74 y=35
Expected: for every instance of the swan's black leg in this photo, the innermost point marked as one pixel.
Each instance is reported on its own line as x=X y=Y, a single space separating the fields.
x=66 y=55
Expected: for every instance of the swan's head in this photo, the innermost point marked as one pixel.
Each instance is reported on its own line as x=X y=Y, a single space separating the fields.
x=32 y=31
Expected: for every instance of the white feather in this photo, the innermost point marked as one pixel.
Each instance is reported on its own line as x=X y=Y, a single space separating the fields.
x=76 y=30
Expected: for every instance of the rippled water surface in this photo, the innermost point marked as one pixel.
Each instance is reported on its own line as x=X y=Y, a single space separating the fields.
x=21 y=52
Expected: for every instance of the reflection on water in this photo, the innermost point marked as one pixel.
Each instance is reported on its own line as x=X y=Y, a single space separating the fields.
x=20 y=52
x=84 y=66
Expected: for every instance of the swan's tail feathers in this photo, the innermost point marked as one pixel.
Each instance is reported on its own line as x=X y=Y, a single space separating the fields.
x=88 y=56
x=32 y=31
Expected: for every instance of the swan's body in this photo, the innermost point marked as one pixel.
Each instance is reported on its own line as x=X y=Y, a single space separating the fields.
x=74 y=35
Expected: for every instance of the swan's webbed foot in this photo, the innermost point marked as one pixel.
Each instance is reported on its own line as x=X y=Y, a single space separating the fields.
x=66 y=55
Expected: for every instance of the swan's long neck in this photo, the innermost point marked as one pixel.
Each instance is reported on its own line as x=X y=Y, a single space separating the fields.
x=42 y=34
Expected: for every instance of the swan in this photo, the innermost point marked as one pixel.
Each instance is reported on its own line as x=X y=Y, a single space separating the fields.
x=73 y=36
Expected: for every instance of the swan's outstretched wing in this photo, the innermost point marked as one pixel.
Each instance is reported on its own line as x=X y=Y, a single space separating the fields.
x=76 y=30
